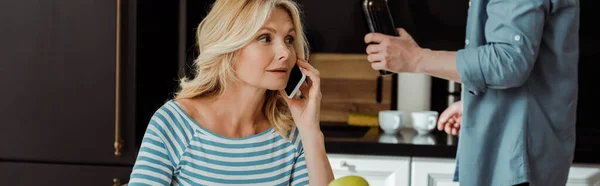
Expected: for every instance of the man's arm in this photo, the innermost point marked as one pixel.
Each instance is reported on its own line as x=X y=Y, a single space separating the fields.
x=513 y=32
x=440 y=64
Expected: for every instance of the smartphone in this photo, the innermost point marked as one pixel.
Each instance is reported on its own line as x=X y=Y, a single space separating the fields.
x=294 y=82
x=379 y=19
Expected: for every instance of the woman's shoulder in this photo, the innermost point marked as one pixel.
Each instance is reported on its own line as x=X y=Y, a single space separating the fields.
x=167 y=111
x=170 y=117
x=294 y=139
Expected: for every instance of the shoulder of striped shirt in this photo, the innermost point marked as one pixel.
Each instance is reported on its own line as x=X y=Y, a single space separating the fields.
x=297 y=142
x=173 y=109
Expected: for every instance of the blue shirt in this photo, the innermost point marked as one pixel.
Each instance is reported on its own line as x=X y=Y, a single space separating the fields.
x=176 y=150
x=519 y=74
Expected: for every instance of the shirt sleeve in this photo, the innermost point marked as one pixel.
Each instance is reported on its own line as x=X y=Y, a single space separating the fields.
x=300 y=172
x=153 y=165
x=513 y=32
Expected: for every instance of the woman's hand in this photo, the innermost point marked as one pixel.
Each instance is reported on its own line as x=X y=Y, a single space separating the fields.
x=306 y=111
x=451 y=119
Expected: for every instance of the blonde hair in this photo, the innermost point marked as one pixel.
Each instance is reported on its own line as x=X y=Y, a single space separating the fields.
x=228 y=27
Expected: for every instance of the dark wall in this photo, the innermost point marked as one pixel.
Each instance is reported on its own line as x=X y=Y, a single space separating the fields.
x=195 y=12
x=588 y=130
x=156 y=64
x=337 y=26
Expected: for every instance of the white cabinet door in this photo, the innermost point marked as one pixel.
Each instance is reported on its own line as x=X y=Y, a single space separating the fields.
x=433 y=172
x=440 y=171
x=377 y=170
x=584 y=175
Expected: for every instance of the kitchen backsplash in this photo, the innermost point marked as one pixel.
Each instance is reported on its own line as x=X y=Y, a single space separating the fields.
x=349 y=85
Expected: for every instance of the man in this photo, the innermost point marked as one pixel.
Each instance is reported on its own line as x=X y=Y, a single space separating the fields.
x=519 y=72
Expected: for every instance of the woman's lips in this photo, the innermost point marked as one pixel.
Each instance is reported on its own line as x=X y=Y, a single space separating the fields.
x=279 y=71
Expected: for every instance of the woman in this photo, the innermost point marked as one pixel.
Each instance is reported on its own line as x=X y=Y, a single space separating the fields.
x=232 y=124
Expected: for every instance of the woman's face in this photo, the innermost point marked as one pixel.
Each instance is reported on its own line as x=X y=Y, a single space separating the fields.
x=267 y=60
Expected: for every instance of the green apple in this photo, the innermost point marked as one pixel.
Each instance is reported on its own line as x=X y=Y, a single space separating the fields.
x=349 y=181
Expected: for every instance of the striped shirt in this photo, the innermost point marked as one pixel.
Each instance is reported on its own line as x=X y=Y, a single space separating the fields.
x=175 y=150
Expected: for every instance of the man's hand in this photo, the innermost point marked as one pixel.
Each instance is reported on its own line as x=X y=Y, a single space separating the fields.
x=451 y=118
x=396 y=54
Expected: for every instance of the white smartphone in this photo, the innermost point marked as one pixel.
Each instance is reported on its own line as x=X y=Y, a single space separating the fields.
x=294 y=82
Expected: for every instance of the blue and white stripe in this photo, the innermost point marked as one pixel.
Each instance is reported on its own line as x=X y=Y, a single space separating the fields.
x=177 y=151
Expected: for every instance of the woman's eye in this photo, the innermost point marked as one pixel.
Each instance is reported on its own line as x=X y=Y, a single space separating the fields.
x=265 y=39
x=289 y=40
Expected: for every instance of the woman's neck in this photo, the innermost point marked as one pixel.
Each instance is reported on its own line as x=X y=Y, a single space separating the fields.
x=238 y=112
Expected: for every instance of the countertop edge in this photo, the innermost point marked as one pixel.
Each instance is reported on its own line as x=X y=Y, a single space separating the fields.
x=430 y=151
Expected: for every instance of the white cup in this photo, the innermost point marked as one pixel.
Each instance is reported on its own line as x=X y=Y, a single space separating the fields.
x=424 y=121
x=390 y=121
x=423 y=139
x=390 y=138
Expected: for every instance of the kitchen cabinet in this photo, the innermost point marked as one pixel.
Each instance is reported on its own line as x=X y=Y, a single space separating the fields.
x=584 y=175
x=56 y=174
x=440 y=171
x=422 y=171
x=60 y=64
x=377 y=170
x=76 y=76
x=433 y=171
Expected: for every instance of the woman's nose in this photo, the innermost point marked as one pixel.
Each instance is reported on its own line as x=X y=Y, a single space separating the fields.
x=283 y=52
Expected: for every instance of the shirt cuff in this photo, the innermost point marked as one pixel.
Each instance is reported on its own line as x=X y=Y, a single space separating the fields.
x=469 y=69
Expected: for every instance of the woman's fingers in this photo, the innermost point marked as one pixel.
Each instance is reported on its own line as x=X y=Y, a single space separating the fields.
x=304 y=88
x=305 y=65
x=315 y=82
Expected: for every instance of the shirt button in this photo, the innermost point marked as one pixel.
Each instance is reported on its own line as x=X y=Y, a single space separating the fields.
x=517 y=38
x=466 y=41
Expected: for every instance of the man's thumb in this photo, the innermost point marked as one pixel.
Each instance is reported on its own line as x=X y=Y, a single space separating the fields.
x=403 y=33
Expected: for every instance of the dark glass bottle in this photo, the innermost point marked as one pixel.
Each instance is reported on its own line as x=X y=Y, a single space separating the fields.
x=379 y=19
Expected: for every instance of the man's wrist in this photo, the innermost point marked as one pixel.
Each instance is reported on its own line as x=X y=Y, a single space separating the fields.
x=422 y=60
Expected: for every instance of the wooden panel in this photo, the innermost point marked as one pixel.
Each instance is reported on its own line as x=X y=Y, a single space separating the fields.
x=343 y=66
x=349 y=84
x=355 y=91
x=338 y=112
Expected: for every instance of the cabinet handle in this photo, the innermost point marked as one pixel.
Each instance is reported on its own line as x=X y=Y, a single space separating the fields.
x=118 y=141
x=116 y=182
x=351 y=168
x=343 y=164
